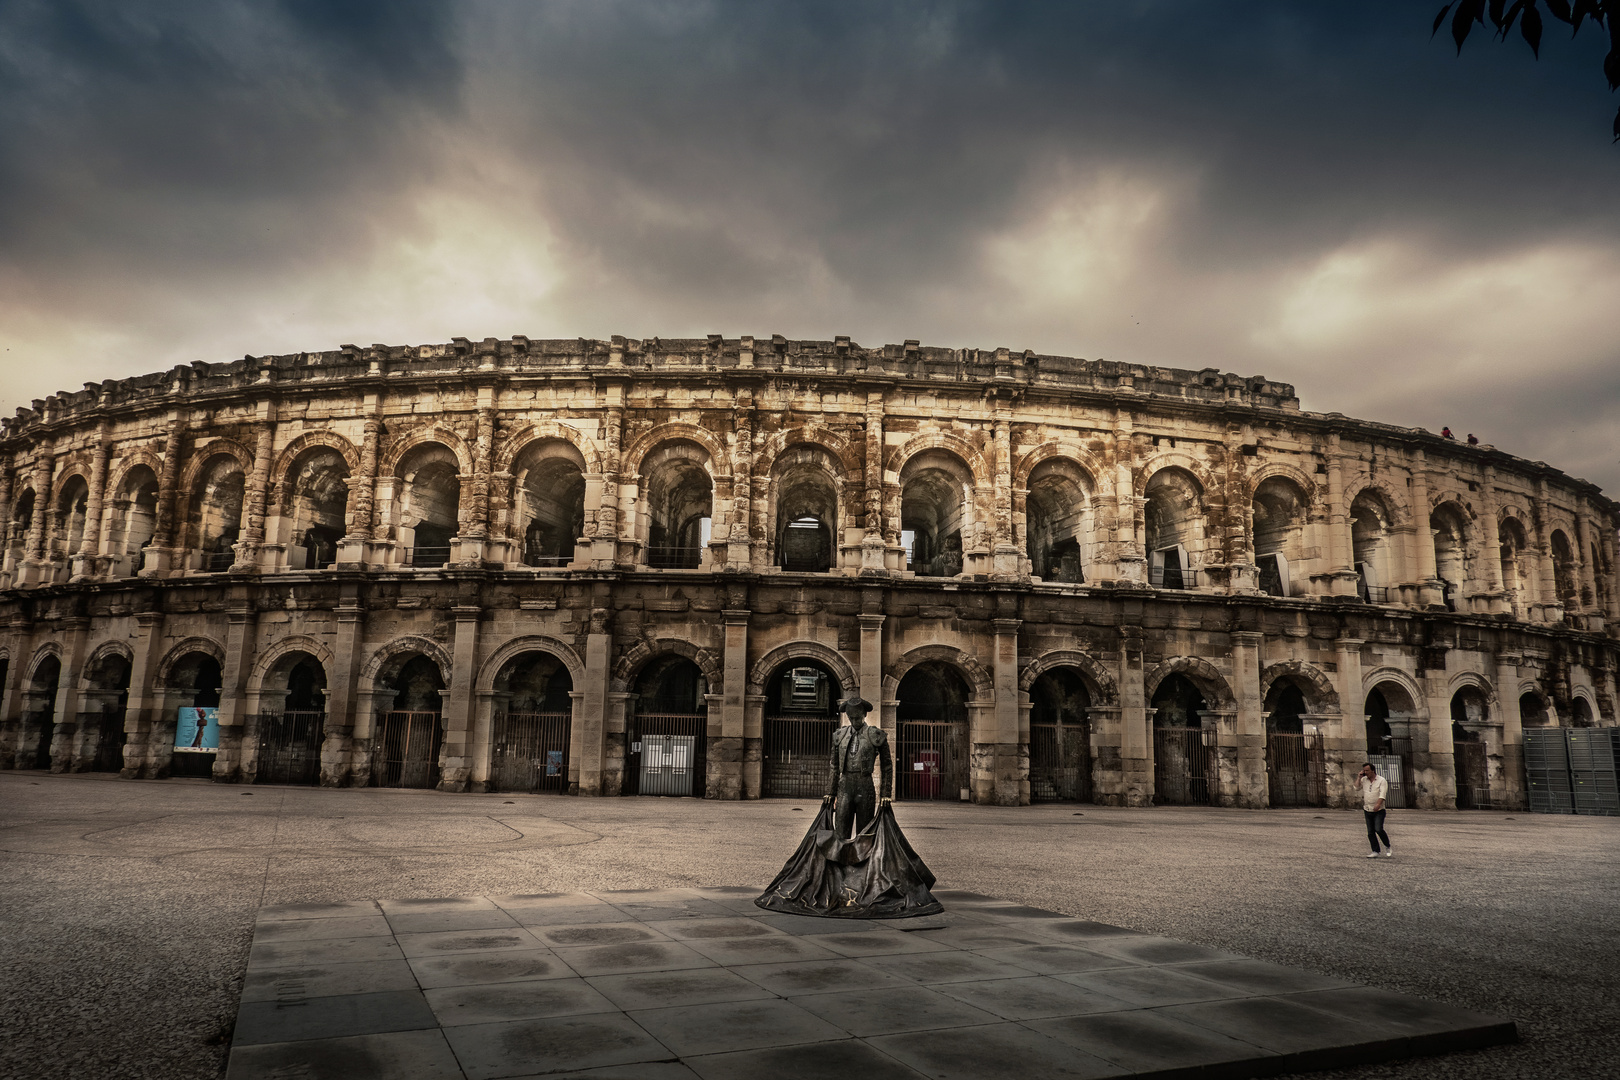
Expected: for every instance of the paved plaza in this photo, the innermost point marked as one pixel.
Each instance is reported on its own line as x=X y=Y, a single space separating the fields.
x=141 y=916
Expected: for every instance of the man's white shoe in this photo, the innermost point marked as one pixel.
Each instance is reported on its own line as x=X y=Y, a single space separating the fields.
x=1389 y=853
x=1374 y=855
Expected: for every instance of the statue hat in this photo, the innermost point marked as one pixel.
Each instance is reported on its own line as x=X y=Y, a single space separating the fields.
x=850 y=702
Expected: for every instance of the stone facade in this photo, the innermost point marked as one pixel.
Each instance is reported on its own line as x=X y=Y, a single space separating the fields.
x=1095 y=580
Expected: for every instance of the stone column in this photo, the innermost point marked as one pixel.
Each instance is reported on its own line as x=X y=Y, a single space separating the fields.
x=474 y=531
x=871 y=672
x=163 y=553
x=11 y=694
x=605 y=538
x=74 y=634
x=1243 y=575
x=35 y=568
x=1508 y=791
x=1135 y=735
x=1432 y=760
x=1491 y=539
x=256 y=499
x=145 y=699
x=236 y=728
x=1550 y=609
x=739 y=553
x=1430 y=591
x=1341 y=549
x=6 y=566
x=1130 y=561
x=1586 y=589
x=1005 y=565
x=1344 y=738
x=455 y=761
x=596 y=757
x=352 y=549
x=337 y=746
x=1254 y=785
x=877 y=539
x=1000 y=763
x=85 y=561
x=1613 y=562
x=725 y=779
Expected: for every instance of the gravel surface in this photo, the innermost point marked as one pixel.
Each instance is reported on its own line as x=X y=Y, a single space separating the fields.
x=128 y=905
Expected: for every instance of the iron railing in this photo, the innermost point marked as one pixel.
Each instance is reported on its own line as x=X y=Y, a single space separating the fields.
x=1473 y=779
x=798 y=756
x=1296 y=773
x=427 y=557
x=664 y=557
x=667 y=754
x=405 y=750
x=931 y=760
x=547 y=560
x=290 y=747
x=529 y=752
x=1059 y=762
x=220 y=560
x=1183 y=767
x=1175 y=577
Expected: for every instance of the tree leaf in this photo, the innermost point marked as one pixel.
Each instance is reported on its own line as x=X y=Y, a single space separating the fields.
x=1611 y=68
x=1438 y=19
x=1460 y=25
x=1496 y=12
x=1507 y=22
x=1617 y=126
x=1559 y=9
x=1530 y=27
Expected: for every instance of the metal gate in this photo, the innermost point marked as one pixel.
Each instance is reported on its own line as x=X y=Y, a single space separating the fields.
x=529 y=752
x=1296 y=772
x=110 y=745
x=405 y=750
x=290 y=747
x=1182 y=767
x=1473 y=787
x=668 y=754
x=932 y=760
x=798 y=756
x=1059 y=762
x=1394 y=770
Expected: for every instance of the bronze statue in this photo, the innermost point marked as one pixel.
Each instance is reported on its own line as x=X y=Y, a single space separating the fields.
x=855 y=750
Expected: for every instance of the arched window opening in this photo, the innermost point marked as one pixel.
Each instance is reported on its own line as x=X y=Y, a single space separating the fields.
x=1057 y=522
x=1470 y=712
x=679 y=500
x=292 y=723
x=1580 y=713
x=935 y=490
x=1533 y=711
x=1370 y=522
x=319 y=500
x=1563 y=559
x=550 y=502
x=1518 y=579
x=1059 y=737
x=1600 y=574
x=216 y=513
x=529 y=733
x=1449 y=526
x=134 y=519
x=800 y=699
x=105 y=704
x=1378 y=729
x=669 y=729
x=39 y=722
x=931 y=752
x=806 y=515
x=1390 y=712
x=408 y=738
x=194 y=683
x=306 y=687
x=1171 y=524
x=1296 y=771
x=1183 y=759
x=430 y=504
x=71 y=505
x=22 y=520
x=1279 y=527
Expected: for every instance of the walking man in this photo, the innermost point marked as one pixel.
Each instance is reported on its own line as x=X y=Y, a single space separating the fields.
x=1374 y=790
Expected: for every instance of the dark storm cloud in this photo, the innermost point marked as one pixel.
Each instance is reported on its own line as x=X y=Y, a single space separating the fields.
x=1316 y=191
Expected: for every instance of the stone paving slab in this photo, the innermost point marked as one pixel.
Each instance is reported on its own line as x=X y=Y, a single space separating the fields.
x=698 y=984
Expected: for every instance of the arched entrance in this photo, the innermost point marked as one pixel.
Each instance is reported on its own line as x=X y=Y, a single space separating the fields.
x=1295 y=769
x=1183 y=762
x=193 y=685
x=668 y=729
x=1469 y=714
x=39 y=722
x=1059 y=737
x=102 y=720
x=801 y=697
x=405 y=748
x=931 y=758
x=1389 y=711
x=292 y=724
x=529 y=732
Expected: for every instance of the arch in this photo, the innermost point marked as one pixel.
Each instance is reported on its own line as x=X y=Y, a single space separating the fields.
x=1102 y=682
x=1466 y=679
x=269 y=658
x=513 y=445
x=803 y=650
x=187 y=646
x=99 y=656
x=977 y=676
x=1282 y=470
x=979 y=471
x=719 y=459
x=432 y=433
x=401 y=649
x=202 y=456
x=636 y=657
x=1203 y=675
x=529 y=643
x=837 y=447
x=1059 y=449
x=1394 y=500
x=41 y=654
x=1177 y=459
x=1371 y=680
x=128 y=462
x=806 y=482
x=308 y=441
x=1320 y=694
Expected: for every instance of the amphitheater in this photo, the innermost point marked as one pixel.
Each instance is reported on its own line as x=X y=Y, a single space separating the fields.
x=653 y=567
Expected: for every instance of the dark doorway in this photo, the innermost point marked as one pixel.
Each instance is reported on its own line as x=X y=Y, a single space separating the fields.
x=531 y=727
x=108 y=700
x=405 y=748
x=1059 y=737
x=40 y=726
x=1182 y=761
x=668 y=733
x=799 y=723
x=290 y=737
x=195 y=678
x=931 y=760
x=1295 y=768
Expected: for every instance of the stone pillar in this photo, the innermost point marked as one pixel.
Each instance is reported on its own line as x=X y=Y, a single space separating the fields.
x=874 y=545
x=74 y=634
x=35 y=569
x=1433 y=759
x=337 y=746
x=474 y=531
x=1135 y=736
x=1586 y=589
x=1000 y=762
x=455 y=761
x=163 y=553
x=1491 y=539
x=7 y=569
x=1508 y=790
x=1344 y=738
x=1430 y=591
x=1612 y=560
x=1130 y=561
x=256 y=499
x=726 y=752
x=1005 y=564
x=1341 y=549
x=605 y=538
x=85 y=561
x=739 y=552
x=145 y=699
x=11 y=697
x=352 y=551
x=236 y=728
x=871 y=673
x=597 y=751
x=1254 y=785
x=1550 y=609
x=1243 y=575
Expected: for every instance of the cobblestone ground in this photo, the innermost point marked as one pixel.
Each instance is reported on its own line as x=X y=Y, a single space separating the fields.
x=127 y=907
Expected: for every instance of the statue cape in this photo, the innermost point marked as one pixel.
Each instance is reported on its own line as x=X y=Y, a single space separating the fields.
x=876 y=875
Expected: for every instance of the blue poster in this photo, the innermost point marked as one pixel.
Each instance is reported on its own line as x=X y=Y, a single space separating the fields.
x=197 y=729
x=553 y=762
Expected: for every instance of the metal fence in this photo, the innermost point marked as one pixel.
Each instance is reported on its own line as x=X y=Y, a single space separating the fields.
x=405 y=750
x=1183 y=767
x=427 y=556
x=529 y=752
x=290 y=747
x=668 y=754
x=674 y=558
x=1296 y=773
x=221 y=560
x=1473 y=785
x=1059 y=762
x=932 y=760
x=798 y=756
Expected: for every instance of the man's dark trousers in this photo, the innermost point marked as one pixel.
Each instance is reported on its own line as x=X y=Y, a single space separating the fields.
x=1375 y=829
x=857 y=800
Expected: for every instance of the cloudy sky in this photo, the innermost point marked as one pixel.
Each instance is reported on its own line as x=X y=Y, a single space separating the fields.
x=1317 y=192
